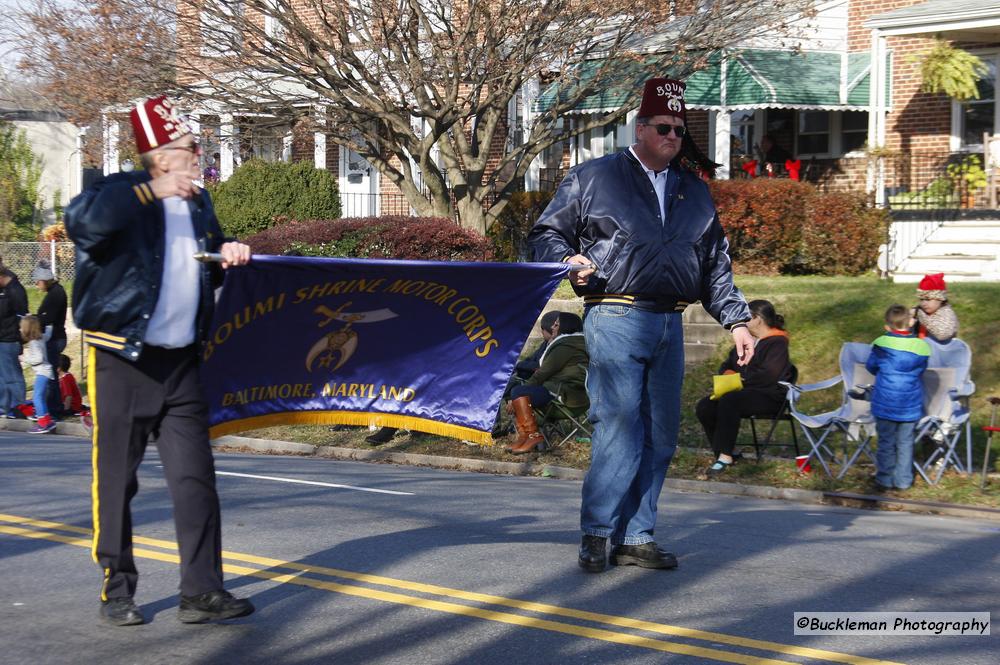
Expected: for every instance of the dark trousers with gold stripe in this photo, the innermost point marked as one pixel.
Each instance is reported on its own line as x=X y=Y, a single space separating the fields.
x=158 y=395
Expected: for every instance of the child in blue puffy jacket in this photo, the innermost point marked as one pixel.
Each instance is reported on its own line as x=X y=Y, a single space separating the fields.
x=898 y=360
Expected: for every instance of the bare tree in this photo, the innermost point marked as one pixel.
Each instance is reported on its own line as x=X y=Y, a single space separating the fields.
x=89 y=55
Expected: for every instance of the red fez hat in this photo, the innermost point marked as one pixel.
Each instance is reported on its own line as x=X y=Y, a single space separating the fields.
x=155 y=122
x=663 y=97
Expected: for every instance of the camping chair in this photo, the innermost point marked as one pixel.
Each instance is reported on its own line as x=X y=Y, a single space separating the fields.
x=559 y=422
x=853 y=417
x=989 y=429
x=783 y=414
x=947 y=388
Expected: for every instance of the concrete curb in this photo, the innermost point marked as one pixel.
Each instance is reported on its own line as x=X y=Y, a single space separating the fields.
x=814 y=497
x=69 y=429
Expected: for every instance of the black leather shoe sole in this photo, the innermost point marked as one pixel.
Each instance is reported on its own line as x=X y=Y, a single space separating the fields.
x=121 y=616
x=592 y=566
x=659 y=563
x=194 y=615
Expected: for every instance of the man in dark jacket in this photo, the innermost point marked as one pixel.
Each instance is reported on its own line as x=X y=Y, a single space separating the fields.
x=144 y=304
x=52 y=316
x=13 y=305
x=646 y=225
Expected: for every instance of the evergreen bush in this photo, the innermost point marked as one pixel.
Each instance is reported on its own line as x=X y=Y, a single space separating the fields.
x=509 y=231
x=259 y=193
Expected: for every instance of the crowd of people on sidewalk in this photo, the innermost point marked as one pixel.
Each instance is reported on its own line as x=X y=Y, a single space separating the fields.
x=36 y=341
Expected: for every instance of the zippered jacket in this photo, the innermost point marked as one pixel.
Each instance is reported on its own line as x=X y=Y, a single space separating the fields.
x=898 y=362
x=606 y=209
x=117 y=226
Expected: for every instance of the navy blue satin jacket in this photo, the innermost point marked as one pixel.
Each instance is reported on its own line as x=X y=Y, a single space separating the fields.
x=117 y=226
x=606 y=209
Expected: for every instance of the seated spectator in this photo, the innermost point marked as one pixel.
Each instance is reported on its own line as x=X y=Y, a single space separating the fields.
x=761 y=394
x=562 y=371
x=772 y=157
x=525 y=368
x=69 y=392
x=934 y=316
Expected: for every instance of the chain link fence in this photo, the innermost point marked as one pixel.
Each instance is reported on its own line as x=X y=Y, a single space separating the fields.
x=22 y=257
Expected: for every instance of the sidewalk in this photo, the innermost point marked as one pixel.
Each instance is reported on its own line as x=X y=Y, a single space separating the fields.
x=271 y=447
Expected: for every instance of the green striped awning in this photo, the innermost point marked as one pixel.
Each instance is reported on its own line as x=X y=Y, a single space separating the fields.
x=754 y=78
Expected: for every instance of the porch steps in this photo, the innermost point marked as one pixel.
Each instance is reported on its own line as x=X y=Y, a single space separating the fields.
x=966 y=250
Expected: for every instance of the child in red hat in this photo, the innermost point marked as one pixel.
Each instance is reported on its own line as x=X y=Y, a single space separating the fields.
x=935 y=317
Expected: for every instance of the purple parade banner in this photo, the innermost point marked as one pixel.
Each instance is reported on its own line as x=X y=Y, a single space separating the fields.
x=421 y=345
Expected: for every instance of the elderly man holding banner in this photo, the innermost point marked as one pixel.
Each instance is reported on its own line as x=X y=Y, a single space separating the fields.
x=145 y=305
x=645 y=221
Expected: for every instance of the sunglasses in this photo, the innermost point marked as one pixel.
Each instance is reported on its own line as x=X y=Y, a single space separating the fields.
x=194 y=147
x=665 y=129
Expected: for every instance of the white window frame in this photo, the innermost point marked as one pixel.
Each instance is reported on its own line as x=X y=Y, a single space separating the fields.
x=955 y=140
x=207 y=27
x=835 y=131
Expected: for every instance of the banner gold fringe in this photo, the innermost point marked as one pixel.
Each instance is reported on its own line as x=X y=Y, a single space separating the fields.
x=358 y=418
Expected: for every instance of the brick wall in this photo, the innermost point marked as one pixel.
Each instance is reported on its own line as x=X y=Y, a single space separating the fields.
x=918 y=121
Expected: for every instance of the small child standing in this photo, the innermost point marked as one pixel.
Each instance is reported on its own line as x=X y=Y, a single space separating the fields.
x=34 y=356
x=898 y=360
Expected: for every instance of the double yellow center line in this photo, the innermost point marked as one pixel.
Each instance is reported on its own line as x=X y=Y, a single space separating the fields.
x=535 y=615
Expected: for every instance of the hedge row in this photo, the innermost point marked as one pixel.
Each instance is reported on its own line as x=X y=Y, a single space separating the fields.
x=259 y=191
x=783 y=226
x=427 y=238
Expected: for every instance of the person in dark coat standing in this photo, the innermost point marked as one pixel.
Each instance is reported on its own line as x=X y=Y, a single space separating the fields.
x=52 y=317
x=643 y=223
x=145 y=304
x=13 y=305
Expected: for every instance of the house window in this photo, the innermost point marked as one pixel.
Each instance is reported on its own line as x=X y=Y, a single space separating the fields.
x=814 y=133
x=853 y=130
x=978 y=116
x=272 y=26
x=220 y=31
x=830 y=133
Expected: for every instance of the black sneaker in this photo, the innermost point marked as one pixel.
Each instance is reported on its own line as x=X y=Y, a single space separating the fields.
x=593 y=554
x=647 y=555
x=213 y=606
x=121 y=612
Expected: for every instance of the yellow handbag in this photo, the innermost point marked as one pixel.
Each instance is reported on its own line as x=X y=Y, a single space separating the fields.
x=725 y=383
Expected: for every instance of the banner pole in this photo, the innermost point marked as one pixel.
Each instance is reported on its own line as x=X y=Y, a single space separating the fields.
x=213 y=257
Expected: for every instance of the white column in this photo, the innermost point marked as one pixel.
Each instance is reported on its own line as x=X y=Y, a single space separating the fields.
x=722 y=120
x=110 y=126
x=319 y=139
x=286 y=147
x=227 y=143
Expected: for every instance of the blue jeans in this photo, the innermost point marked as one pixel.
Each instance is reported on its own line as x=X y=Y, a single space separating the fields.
x=39 y=398
x=12 y=387
x=894 y=455
x=634 y=383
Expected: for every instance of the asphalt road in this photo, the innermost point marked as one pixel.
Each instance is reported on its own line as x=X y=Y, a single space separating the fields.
x=370 y=563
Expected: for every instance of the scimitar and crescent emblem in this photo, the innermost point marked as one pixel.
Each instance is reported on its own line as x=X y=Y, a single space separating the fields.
x=334 y=349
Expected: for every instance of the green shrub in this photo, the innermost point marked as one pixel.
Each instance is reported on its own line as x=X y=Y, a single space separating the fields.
x=783 y=226
x=259 y=192
x=390 y=237
x=509 y=231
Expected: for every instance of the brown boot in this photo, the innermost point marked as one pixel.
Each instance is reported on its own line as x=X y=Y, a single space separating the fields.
x=528 y=436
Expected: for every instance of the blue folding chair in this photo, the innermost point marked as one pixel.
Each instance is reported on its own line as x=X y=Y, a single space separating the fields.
x=853 y=417
x=947 y=389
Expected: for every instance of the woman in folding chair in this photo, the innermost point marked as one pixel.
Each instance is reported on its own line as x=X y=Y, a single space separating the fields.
x=561 y=371
x=720 y=415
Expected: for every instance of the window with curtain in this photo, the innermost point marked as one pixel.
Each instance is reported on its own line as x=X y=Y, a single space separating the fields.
x=978 y=116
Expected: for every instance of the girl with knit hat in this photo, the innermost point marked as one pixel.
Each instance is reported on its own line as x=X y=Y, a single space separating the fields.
x=935 y=317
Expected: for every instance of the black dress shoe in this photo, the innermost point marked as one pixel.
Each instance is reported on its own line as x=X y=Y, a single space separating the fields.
x=593 y=554
x=647 y=555
x=383 y=435
x=121 y=612
x=213 y=606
